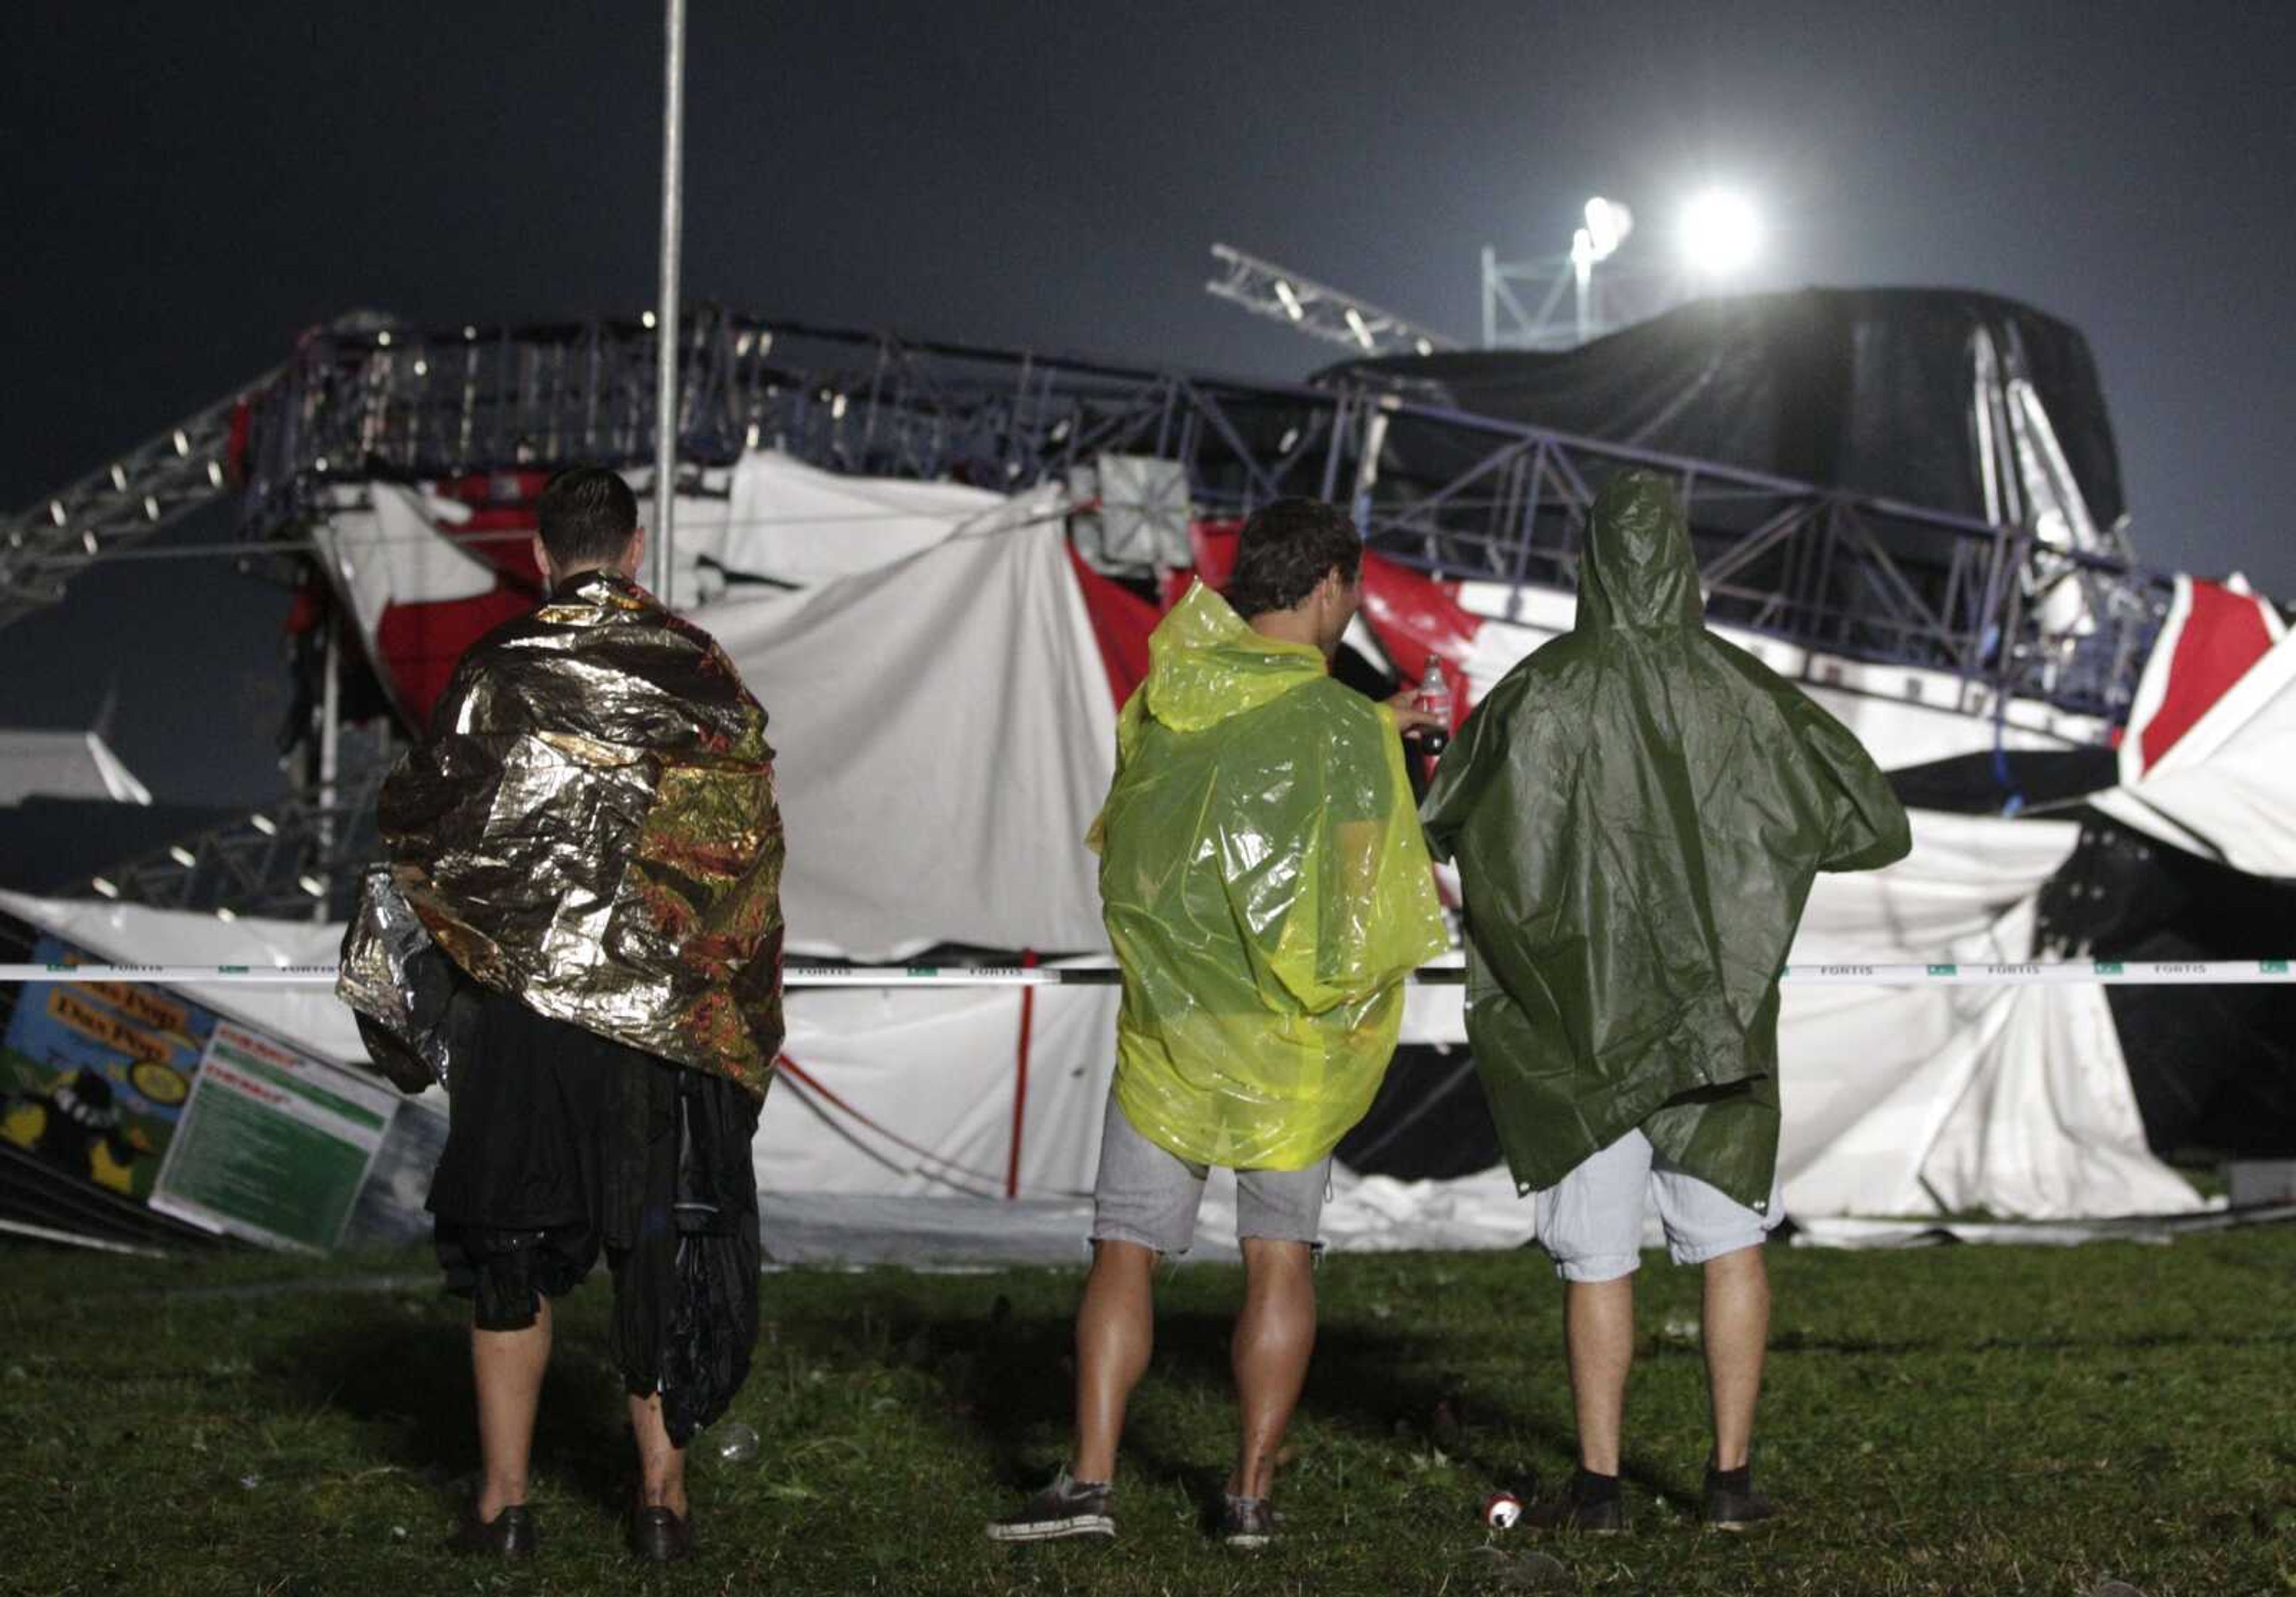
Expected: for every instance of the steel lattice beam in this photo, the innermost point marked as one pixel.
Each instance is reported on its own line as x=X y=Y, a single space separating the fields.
x=1463 y=496
x=139 y=493
x=1320 y=311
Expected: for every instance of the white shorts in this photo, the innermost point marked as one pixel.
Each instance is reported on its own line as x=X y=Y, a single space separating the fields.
x=1591 y=1222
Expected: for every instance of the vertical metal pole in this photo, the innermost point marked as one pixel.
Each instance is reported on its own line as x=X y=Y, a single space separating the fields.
x=331 y=712
x=673 y=194
x=1490 y=298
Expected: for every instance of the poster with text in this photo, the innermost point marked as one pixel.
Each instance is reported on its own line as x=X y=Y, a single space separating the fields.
x=274 y=1143
x=93 y=1076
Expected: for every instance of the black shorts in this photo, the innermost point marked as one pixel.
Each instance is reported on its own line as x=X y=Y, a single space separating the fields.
x=562 y=1144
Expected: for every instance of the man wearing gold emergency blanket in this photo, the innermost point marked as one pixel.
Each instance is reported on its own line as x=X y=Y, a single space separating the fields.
x=1267 y=889
x=579 y=931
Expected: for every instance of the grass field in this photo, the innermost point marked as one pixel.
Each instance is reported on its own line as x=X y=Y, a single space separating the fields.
x=1967 y=1421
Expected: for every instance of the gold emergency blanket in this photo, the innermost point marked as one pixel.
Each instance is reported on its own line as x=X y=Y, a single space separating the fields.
x=592 y=828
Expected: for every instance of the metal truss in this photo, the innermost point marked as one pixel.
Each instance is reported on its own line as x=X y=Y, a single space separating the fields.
x=298 y=859
x=1322 y=311
x=141 y=493
x=1461 y=496
x=1539 y=304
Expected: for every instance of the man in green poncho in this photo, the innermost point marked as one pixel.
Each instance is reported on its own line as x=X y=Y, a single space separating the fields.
x=1637 y=811
x=1266 y=890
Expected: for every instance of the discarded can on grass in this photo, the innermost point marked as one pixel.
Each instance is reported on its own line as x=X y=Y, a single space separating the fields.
x=1501 y=1510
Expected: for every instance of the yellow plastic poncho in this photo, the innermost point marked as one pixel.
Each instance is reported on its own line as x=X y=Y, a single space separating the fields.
x=1267 y=889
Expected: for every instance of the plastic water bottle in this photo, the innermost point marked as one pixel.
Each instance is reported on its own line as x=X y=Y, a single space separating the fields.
x=1434 y=697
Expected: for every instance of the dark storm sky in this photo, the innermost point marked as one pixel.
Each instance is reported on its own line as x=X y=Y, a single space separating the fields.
x=189 y=187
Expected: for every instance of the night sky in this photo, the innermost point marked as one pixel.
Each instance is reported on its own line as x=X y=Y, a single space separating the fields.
x=189 y=186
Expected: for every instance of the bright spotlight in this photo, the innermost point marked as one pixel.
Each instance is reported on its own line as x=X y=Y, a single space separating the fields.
x=1720 y=233
x=1608 y=224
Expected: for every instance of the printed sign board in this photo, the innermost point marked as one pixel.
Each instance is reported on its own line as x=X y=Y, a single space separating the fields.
x=273 y=1144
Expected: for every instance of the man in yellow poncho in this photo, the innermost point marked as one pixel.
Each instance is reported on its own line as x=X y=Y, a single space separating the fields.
x=1267 y=889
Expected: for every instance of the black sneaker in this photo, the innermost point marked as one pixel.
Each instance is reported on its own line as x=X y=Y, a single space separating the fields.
x=1732 y=1503
x=1246 y=1522
x=1066 y=1508
x=1580 y=1511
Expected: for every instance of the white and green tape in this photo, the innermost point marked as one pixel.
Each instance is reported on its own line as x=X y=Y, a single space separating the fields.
x=1836 y=974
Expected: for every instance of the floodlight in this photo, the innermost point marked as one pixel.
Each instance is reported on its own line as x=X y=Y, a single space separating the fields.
x=1608 y=224
x=1720 y=231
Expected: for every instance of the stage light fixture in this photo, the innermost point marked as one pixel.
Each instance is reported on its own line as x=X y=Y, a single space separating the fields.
x=1608 y=224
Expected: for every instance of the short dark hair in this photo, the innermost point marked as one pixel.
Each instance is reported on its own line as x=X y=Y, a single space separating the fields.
x=585 y=515
x=1287 y=548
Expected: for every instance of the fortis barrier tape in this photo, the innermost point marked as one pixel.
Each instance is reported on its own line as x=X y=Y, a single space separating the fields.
x=1844 y=974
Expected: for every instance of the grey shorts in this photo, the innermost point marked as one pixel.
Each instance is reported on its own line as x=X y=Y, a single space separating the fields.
x=1591 y=1222
x=1149 y=1195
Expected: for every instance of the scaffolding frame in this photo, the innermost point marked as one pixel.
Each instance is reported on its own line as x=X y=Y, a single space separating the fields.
x=1463 y=498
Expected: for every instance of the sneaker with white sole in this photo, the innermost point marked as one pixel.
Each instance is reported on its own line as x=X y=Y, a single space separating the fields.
x=1246 y=1522
x=1066 y=1508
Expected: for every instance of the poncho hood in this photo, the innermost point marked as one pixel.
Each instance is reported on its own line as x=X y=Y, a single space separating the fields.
x=1637 y=811
x=1637 y=570
x=1206 y=664
x=1267 y=889
x=592 y=828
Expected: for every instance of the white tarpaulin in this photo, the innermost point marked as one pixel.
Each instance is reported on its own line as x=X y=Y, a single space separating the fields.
x=912 y=1093
x=2227 y=788
x=64 y=764
x=943 y=738
x=1919 y=1101
x=388 y=550
x=774 y=517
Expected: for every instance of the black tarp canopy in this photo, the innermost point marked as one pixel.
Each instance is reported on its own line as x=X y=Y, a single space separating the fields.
x=1867 y=389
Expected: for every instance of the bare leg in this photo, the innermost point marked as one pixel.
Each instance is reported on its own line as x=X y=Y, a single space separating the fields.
x=1598 y=1328
x=661 y=1468
x=1115 y=1332
x=1274 y=1336
x=1736 y=1330
x=506 y=1367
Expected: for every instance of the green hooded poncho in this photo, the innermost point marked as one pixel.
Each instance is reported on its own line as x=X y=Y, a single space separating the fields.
x=1637 y=811
x=1267 y=889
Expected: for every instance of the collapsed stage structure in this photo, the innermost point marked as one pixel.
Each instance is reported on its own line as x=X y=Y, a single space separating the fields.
x=938 y=564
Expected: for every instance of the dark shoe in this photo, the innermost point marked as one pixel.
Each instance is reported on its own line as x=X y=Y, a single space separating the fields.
x=1732 y=1503
x=1582 y=1509
x=659 y=1536
x=510 y=1534
x=1246 y=1522
x=1066 y=1508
